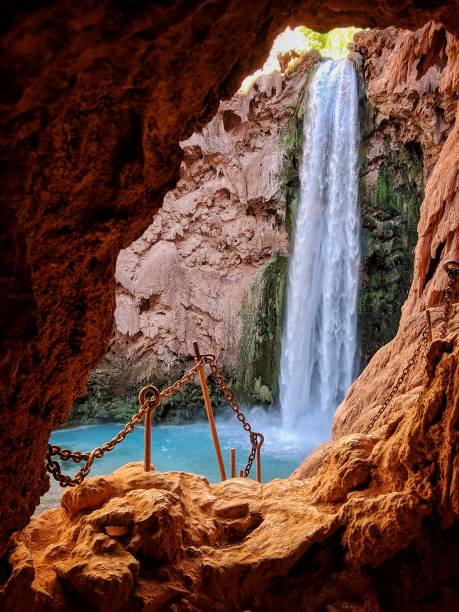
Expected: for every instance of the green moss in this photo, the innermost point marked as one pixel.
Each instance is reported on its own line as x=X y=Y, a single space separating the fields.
x=390 y=214
x=291 y=144
x=112 y=395
x=255 y=377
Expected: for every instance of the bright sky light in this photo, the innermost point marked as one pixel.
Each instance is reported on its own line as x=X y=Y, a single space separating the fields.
x=301 y=39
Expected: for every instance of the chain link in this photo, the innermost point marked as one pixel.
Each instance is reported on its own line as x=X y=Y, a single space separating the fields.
x=256 y=438
x=452 y=269
x=66 y=454
x=412 y=360
x=188 y=377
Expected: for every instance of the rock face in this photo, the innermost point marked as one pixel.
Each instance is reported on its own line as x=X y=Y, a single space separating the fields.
x=372 y=526
x=211 y=266
x=412 y=83
x=408 y=114
x=97 y=98
x=189 y=275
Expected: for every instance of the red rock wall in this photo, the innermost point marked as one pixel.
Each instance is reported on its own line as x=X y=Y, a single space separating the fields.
x=96 y=98
x=412 y=80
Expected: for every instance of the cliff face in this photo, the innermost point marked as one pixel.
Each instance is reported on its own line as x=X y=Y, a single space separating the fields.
x=188 y=277
x=408 y=112
x=211 y=266
x=368 y=523
x=412 y=78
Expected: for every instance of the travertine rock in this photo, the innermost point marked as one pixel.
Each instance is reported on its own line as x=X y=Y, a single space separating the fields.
x=371 y=528
x=418 y=71
x=411 y=80
x=187 y=276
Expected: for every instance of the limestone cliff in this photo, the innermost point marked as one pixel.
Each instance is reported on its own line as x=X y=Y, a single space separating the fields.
x=211 y=266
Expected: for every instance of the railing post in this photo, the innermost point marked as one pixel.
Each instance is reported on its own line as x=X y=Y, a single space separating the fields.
x=147 y=441
x=210 y=414
x=233 y=462
x=152 y=404
x=258 y=456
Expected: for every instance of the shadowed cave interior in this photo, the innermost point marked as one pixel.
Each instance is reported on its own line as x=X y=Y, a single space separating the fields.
x=96 y=99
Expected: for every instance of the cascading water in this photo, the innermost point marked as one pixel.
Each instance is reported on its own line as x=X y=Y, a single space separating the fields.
x=319 y=340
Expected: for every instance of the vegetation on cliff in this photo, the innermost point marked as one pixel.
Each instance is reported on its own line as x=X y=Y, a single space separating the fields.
x=112 y=395
x=256 y=373
x=259 y=348
x=390 y=198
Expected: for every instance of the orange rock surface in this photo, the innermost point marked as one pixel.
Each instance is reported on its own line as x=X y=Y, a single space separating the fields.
x=412 y=81
x=373 y=527
x=96 y=98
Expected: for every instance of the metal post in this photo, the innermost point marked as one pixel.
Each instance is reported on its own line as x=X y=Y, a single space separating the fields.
x=153 y=402
x=233 y=462
x=429 y=326
x=210 y=414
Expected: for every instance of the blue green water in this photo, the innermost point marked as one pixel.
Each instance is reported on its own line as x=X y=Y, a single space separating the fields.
x=189 y=447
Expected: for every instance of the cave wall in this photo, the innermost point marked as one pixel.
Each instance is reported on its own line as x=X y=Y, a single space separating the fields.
x=97 y=98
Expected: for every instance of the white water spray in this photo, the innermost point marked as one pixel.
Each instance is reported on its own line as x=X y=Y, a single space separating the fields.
x=319 y=340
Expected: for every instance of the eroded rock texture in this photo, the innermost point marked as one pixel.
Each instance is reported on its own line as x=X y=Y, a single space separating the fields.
x=372 y=526
x=412 y=87
x=212 y=264
x=96 y=98
x=187 y=277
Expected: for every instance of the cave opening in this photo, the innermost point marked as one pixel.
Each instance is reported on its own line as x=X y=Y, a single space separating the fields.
x=81 y=185
x=204 y=270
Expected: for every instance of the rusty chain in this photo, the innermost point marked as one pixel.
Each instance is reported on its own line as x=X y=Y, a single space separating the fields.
x=412 y=360
x=256 y=438
x=188 y=377
x=65 y=454
x=452 y=269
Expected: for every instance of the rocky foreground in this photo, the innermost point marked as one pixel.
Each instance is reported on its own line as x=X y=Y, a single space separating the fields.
x=366 y=523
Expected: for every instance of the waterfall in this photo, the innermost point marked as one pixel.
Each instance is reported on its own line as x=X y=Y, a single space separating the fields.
x=319 y=338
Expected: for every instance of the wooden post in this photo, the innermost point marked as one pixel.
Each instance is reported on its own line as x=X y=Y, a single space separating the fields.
x=233 y=462
x=241 y=474
x=429 y=326
x=147 y=441
x=210 y=414
x=258 y=464
x=152 y=404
